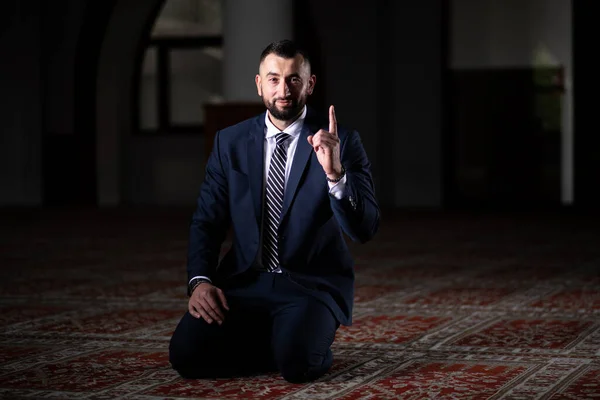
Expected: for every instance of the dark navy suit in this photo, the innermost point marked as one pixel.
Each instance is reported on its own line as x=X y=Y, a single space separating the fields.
x=315 y=259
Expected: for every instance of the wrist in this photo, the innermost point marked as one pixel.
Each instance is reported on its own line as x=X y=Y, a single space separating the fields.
x=198 y=285
x=195 y=283
x=336 y=176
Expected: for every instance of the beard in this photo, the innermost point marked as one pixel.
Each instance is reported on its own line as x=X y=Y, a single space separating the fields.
x=286 y=114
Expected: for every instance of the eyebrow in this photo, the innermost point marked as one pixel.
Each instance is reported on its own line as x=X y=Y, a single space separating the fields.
x=295 y=75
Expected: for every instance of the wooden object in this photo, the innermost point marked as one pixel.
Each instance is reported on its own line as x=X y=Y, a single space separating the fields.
x=219 y=116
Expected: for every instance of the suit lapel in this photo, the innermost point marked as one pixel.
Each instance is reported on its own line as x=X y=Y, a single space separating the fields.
x=301 y=157
x=256 y=161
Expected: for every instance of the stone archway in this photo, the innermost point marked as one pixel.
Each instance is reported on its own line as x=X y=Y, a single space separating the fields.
x=127 y=29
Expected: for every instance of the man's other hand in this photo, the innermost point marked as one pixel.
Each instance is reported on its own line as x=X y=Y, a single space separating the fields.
x=208 y=301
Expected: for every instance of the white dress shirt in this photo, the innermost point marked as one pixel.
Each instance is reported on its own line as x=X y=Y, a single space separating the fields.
x=294 y=130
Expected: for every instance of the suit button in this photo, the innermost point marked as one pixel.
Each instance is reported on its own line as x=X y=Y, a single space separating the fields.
x=352 y=202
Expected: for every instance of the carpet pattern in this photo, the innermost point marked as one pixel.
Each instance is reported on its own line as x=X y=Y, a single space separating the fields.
x=447 y=307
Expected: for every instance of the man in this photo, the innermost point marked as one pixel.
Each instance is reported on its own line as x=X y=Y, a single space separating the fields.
x=288 y=184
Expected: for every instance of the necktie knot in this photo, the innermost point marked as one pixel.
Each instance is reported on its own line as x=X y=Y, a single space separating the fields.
x=281 y=138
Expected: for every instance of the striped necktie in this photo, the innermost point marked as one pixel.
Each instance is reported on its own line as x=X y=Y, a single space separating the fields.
x=274 y=203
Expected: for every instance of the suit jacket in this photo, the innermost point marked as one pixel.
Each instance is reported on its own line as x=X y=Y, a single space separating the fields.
x=312 y=248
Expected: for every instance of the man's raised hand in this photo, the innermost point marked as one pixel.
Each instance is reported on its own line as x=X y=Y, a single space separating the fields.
x=327 y=146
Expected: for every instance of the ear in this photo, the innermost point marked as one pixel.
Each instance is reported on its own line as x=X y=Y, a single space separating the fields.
x=311 y=84
x=258 y=81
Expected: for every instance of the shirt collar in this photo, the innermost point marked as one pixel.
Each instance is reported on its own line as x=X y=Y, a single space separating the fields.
x=293 y=130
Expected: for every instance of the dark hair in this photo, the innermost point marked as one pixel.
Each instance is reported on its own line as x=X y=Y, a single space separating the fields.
x=284 y=48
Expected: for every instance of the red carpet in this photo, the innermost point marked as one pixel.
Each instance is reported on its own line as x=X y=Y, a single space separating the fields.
x=447 y=307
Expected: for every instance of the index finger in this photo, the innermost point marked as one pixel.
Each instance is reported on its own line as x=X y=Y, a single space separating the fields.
x=332 y=121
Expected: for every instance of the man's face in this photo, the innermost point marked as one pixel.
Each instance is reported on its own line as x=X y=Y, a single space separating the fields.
x=284 y=85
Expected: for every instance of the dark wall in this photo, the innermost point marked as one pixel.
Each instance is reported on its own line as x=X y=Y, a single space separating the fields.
x=382 y=66
x=412 y=57
x=505 y=153
x=69 y=52
x=20 y=102
x=585 y=108
x=47 y=100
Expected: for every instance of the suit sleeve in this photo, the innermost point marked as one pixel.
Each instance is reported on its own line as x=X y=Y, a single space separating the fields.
x=357 y=211
x=211 y=219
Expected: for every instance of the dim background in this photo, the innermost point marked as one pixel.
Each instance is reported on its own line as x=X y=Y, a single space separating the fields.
x=461 y=104
x=479 y=118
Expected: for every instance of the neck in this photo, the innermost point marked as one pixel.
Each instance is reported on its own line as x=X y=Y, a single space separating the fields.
x=281 y=124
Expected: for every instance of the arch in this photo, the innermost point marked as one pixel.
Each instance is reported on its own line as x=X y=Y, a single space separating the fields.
x=120 y=53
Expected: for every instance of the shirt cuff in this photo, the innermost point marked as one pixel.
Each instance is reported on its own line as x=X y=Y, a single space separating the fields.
x=337 y=189
x=200 y=276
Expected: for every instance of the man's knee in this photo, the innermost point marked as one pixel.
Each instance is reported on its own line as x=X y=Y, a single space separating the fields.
x=301 y=367
x=191 y=346
x=194 y=361
x=182 y=359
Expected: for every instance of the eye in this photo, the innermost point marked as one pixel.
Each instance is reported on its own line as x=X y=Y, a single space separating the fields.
x=296 y=80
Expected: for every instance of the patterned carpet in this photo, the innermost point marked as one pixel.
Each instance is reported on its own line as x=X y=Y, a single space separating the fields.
x=448 y=306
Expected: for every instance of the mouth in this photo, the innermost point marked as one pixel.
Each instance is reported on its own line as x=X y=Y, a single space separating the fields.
x=284 y=103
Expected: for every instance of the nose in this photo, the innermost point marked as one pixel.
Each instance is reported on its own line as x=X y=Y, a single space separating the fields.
x=284 y=89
